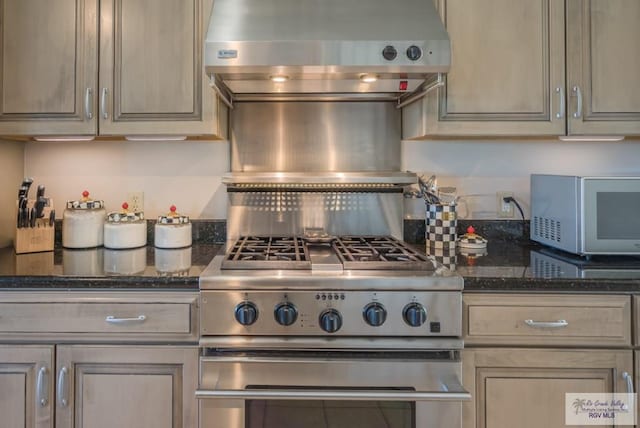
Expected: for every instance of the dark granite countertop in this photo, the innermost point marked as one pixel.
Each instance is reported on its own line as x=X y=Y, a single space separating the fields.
x=143 y=268
x=517 y=266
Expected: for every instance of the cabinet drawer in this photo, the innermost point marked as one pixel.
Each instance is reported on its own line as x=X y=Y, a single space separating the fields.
x=553 y=320
x=139 y=317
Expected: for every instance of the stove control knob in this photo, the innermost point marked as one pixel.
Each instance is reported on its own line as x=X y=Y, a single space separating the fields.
x=375 y=314
x=414 y=314
x=285 y=314
x=246 y=313
x=330 y=320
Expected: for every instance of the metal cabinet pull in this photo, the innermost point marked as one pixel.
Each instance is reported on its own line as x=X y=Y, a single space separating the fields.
x=561 y=107
x=42 y=387
x=546 y=324
x=578 y=93
x=88 y=103
x=309 y=394
x=113 y=320
x=103 y=103
x=629 y=379
x=62 y=387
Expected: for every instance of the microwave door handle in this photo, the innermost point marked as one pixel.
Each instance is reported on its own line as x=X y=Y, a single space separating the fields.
x=311 y=394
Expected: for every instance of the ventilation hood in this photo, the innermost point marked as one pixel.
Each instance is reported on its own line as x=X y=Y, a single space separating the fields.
x=337 y=48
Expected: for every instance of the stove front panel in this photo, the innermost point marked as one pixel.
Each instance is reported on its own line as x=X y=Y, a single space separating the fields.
x=352 y=312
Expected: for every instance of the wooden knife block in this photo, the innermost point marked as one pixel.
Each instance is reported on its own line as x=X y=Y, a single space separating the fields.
x=35 y=239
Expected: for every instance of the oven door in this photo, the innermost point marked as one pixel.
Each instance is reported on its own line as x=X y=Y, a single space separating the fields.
x=330 y=390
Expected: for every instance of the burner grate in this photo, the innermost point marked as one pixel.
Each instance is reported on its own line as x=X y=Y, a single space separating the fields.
x=268 y=252
x=378 y=252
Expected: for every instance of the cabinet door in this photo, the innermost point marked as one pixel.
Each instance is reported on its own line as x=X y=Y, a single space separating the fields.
x=26 y=386
x=48 y=67
x=603 y=65
x=507 y=72
x=526 y=388
x=111 y=386
x=152 y=78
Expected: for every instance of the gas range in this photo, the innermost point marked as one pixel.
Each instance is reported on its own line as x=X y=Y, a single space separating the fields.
x=352 y=286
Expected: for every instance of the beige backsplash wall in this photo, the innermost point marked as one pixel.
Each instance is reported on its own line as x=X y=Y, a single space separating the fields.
x=11 y=171
x=481 y=168
x=184 y=173
x=188 y=173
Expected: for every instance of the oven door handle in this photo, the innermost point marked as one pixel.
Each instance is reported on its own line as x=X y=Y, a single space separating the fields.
x=323 y=394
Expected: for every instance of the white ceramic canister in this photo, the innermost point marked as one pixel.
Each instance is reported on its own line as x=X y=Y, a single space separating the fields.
x=83 y=223
x=173 y=230
x=124 y=230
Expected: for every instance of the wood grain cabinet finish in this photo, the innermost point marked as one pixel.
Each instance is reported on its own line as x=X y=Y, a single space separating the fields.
x=526 y=388
x=114 y=67
x=547 y=320
x=26 y=386
x=48 y=67
x=508 y=66
x=99 y=317
x=142 y=387
x=603 y=64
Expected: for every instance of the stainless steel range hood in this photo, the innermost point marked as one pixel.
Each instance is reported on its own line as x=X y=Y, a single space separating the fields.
x=340 y=48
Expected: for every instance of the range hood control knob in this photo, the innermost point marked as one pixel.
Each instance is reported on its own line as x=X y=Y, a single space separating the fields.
x=414 y=53
x=414 y=314
x=375 y=314
x=389 y=53
x=246 y=313
x=285 y=314
x=330 y=320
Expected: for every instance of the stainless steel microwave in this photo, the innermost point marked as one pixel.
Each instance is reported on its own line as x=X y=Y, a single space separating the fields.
x=586 y=215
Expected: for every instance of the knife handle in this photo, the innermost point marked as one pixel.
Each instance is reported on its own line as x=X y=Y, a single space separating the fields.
x=33 y=217
x=52 y=218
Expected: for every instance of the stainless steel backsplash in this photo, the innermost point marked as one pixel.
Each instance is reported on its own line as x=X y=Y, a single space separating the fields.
x=315 y=136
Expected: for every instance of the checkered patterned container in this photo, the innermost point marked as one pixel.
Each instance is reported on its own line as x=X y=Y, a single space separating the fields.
x=442 y=220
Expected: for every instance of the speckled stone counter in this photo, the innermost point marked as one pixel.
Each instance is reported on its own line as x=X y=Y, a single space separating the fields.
x=144 y=268
x=517 y=266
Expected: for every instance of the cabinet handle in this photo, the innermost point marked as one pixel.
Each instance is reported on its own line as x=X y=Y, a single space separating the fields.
x=629 y=379
x=42 y=387
x=62 y=387
x=546 y=324
x=576 y=90
x=113 y=320
x=103 y=103
x=88 y=103
x=561 y=107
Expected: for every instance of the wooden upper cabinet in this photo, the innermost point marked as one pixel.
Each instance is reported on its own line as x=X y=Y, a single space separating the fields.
x=603 y=65
x=48 y=66
x=507 y=71
x=152 y=77
x=150 y=80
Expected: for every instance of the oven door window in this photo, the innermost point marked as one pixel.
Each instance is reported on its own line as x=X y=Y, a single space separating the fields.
x=328 y=413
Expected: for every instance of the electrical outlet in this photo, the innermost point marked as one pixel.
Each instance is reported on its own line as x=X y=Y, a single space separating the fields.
x=504 y=209
x=136 y=201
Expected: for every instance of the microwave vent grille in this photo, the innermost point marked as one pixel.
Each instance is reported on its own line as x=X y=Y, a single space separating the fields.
x=546 y=269
x=546 y=228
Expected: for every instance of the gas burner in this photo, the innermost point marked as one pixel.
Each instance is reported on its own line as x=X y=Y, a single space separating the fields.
x=267 y=252
x=378 y=252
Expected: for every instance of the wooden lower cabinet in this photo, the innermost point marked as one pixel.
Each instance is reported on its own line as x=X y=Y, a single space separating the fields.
x=112 y=386
x=26 y=386
x=526 y=388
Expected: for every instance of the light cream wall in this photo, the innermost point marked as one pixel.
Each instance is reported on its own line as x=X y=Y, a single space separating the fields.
x=184 y=173
x=12 y=173
x=481 y=168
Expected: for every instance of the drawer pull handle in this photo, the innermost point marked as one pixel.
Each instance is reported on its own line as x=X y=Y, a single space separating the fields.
x=62 y=387
x=546 y=324
x=42 y=387
x=113 y=320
